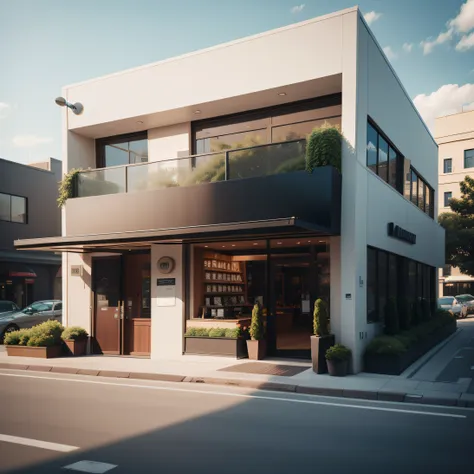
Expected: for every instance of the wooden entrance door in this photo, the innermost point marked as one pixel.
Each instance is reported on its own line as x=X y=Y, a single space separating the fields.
x=106 y=275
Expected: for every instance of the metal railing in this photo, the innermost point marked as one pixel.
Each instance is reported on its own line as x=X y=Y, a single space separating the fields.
x=248 y=162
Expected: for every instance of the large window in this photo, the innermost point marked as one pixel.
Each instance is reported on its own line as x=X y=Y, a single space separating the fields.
x=287 y=122
x=469 y=158
x=421 y=193
x=447 y=197
x=123 y=150
x=13 y=208
x=448 y=165
x=392 y=276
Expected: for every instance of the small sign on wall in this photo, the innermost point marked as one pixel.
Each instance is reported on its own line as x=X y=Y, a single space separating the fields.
x=76 y=270
x=166 y=292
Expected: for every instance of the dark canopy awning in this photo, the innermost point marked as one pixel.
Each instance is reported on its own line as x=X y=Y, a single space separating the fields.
x=16 y=269
x=143 y=238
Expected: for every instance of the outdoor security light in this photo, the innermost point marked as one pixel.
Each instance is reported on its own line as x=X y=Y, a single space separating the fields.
x=77 y=108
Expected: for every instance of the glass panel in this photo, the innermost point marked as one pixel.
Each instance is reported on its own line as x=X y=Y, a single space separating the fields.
x=267 y=160
x=412 y=282
x=371 y=286
x=238 y=140
x=448 y=165
x=469 y=158
x=382 y=169
x=180 y=172
x=18 y=209
x=116 y=155
x=421 y=194
x=393 y=277
x=138 y=151
x=428 y=200
x=295 y=131
x=99 y=182
x=447 y=197
x=372 y=148
x=382 y=264
x=414 y=188
x=392 y=167
x=406 y=178
x=4 y=207
x=419 y=284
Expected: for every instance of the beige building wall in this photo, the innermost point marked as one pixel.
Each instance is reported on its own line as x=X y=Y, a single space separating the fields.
x=454 y=135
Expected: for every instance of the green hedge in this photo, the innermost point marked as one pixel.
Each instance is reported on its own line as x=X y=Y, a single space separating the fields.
x=74 y=333
x=46 y=334
x=232 y=333
x=401 y=342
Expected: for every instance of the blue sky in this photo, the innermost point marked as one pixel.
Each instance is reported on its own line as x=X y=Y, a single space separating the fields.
x=47 y=44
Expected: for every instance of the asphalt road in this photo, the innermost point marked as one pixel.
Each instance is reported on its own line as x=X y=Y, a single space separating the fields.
x=152 y=427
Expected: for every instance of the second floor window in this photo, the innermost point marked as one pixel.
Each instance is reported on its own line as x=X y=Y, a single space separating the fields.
x=448 y=165
x=122 y=150
x=469 y=158
x=447 y=198
x=13 y=208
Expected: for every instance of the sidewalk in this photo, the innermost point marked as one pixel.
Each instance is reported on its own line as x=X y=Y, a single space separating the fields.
x=407 y=387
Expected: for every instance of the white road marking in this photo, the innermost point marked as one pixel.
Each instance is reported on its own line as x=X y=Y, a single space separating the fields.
x=36 y=443
x=92 y=467
x=242 y=395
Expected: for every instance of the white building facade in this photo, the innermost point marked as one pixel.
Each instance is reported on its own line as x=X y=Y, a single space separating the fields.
x=264 y=230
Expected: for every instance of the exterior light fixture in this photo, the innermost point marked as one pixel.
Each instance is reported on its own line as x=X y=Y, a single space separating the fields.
x=197 y=112
x=279 y=243
x=77 y=108
x=255 y=243
x=281 y=94
x=139 y=122
x=298 y=243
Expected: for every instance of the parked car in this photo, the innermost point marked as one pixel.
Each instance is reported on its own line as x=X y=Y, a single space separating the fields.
x=34 y=314
x=8 y=307
x=450 y=303
x=468 y=304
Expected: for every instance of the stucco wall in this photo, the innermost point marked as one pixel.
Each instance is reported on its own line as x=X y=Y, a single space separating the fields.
x=170 y=142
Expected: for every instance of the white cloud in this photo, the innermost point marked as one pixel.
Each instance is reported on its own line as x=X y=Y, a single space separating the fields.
x=30 y=141
x=448 y=99
x=467 y=42
x=407 y=47
x=390 y=53
x=4 y=109
x=464 y=22
x=297 y=8
x=371 y=17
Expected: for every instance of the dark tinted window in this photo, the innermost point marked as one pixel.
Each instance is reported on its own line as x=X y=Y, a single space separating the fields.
x=382 y=271
x=58 y=307
x=123 y=150
x=382 y=169
x=447 y=198
x=372 y=145
x=392 y=167
x=372 y=285
x=414 y=188
x=4 y=207
x=13 y=208
x=448 y=165
x=469 y=158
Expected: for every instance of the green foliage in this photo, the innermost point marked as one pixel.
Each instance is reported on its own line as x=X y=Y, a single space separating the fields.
x=338 y=352
x=404 y=314
x=217 y=332
x=256 y=326
x=324 y=148
x=43 y=335
x=459 y=225
x=66 y=186
x=385 y=345
x=392 y=324
x=198 y=332
x=320 y=318
x=74 y=333
x=233 y=333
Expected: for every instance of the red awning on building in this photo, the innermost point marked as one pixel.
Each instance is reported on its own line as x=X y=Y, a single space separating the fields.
x=16 y=269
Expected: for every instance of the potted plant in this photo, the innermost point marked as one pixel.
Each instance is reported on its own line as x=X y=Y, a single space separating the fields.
x=324 y=148
x=337 y=358
x=322 y=339
x=256 y=346
x=42 y=341
x=75 y=339
x=216 y=341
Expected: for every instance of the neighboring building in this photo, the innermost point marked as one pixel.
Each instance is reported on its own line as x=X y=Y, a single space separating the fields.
x=28 y=209
x=156 y=240
x=455 y=137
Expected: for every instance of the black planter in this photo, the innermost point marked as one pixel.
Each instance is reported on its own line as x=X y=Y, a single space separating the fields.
x=337 y=368
x=216 y=346
x=319 y=346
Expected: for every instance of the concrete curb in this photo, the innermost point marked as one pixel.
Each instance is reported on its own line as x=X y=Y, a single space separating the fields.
x=464 y=400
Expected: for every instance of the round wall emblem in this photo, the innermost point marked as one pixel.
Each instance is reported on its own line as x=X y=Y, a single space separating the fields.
x=165 y=265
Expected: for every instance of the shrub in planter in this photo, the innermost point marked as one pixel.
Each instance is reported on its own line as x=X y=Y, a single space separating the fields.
x=386 y=345
x=75 y=339
x=217 y=332
x=337 y=358
x=322 y=340
x=324 y=148
x=256 y=346
x=197 y=332
x=14 y=338
x=392 y=325
x=233 y=333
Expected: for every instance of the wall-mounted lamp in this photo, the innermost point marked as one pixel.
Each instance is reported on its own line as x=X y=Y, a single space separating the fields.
x=77 y=108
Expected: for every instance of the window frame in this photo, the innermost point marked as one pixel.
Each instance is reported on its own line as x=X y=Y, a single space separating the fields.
x=445 y=162
x=26 y=209
x=446 y=202
x=101 y=143
x=471 y=157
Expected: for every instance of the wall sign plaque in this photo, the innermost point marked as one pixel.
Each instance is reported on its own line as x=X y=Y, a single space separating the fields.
x=165 y=265
x=399 y=233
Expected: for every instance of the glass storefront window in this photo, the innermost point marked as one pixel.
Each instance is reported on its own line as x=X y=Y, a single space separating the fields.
x=123 y=150
x=382 y=169
x=372 y=144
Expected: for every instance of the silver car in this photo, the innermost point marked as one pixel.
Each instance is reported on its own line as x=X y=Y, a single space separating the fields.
x=450 y=303
x=8 y=307
x=468 y=304
x=34 y=314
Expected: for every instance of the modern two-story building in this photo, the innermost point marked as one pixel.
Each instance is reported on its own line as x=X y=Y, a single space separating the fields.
x=29 y=208
x=193 y=202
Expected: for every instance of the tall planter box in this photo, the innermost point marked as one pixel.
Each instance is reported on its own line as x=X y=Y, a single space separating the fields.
x=257 y=350
x=38 y=352
x=216 y=346
x=76 y=347
x=395 y=364
x=319 y=346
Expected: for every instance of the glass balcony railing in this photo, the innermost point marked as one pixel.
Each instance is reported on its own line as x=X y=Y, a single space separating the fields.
x=261 y=160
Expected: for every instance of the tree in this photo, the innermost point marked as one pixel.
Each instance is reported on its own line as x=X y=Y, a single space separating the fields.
x=459 y=226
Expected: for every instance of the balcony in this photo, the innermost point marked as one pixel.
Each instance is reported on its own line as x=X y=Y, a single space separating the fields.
x=254 y=184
